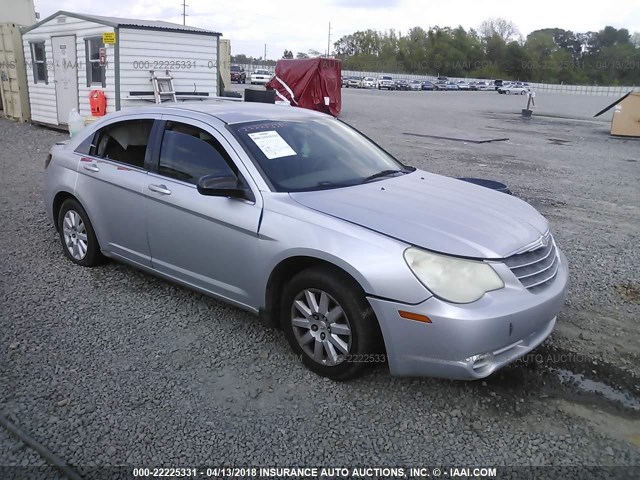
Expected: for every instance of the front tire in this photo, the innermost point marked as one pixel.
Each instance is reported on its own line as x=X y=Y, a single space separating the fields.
x=329 y=323
x=79 y=241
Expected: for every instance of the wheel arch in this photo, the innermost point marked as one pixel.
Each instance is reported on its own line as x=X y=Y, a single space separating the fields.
x=286 y=269
x=58 y=200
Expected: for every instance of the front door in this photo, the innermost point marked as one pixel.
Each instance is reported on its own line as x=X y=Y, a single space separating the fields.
x=66 y=75
x=208 y=242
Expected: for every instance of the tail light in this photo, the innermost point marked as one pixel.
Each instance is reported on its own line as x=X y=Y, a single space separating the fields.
x=47 y=161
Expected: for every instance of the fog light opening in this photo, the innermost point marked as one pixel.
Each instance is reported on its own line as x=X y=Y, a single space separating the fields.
x=480 y=362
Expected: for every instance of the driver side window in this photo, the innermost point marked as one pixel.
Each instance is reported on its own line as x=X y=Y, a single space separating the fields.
x=189 y=153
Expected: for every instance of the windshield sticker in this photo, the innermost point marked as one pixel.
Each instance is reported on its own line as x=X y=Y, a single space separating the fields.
x=272 y=144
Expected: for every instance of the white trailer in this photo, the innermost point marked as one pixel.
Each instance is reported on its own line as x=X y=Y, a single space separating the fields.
x=68 y=55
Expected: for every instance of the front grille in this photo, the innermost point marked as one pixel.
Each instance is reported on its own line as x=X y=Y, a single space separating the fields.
x=535 y=269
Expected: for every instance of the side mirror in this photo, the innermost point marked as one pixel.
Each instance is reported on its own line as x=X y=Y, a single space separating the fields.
x=223 y=185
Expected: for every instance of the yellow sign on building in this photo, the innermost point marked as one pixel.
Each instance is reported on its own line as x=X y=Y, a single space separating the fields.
x=109 y=38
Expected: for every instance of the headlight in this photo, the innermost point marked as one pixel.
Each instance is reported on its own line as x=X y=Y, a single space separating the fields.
x=453 y=279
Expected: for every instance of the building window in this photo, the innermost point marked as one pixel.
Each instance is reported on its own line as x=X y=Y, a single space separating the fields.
x=95 y=72
x=39 y=63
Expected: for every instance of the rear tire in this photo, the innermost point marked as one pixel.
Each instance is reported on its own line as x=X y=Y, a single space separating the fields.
x=329 y=323
x=79 y=241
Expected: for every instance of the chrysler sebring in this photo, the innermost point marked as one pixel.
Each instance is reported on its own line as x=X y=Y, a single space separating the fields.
x=299 y=218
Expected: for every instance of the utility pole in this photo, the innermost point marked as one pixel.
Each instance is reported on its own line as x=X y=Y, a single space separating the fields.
x=184 y=12
x=265 y=52
x=329 y=40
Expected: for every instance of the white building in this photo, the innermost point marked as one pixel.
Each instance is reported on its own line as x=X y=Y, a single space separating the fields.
x=68 y=55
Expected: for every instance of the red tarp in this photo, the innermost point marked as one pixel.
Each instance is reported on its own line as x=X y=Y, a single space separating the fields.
x=313 y=83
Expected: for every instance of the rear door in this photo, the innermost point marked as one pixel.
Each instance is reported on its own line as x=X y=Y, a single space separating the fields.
x=208 y=242
x=110 y=185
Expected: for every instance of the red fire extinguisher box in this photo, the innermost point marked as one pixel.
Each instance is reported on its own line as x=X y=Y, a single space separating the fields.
x=98 y=103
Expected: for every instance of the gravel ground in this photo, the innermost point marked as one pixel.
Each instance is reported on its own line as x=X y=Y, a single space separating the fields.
x=110 y=366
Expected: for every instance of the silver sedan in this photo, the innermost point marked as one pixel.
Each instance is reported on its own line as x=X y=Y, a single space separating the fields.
x=297 y=217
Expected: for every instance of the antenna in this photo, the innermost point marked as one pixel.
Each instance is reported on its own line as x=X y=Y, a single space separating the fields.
x=184 y=12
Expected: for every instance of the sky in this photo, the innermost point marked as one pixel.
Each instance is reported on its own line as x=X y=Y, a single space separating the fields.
x=300 y=25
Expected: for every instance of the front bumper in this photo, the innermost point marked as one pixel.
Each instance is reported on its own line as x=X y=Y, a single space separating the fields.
x=470 y=341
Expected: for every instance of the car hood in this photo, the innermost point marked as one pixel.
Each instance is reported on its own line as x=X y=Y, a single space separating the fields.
x=438 y=213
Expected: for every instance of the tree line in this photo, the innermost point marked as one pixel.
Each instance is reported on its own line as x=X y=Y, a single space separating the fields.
x=610 y=56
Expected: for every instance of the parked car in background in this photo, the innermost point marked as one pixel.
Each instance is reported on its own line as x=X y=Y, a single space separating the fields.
x=473 y=86
x=506 y=85
x=402 y=84
x=386 y=81
x=462 y=85
x=428 y=86
x=353 y=81
x=518 y=89
x=415 y=85
x=354 y=268
x=261 y=77
x=368 y=82
x=482 y=85
x=441 y=84
x=497 y=83
x=238 y=74
x=452 y=86
x=343 y=81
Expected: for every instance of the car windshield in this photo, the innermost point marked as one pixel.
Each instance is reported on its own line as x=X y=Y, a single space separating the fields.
x=262 y=72
x=313 y=154
x=235 y=68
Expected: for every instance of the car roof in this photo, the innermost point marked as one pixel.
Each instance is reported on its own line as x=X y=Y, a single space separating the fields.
x=230 y=112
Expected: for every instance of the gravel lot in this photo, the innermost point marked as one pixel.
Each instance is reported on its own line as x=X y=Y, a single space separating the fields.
x=110 y=366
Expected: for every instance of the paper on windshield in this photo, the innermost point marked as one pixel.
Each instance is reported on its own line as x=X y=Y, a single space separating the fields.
x=272 y=144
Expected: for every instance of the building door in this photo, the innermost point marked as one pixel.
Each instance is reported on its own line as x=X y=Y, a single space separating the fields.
x=66 y=75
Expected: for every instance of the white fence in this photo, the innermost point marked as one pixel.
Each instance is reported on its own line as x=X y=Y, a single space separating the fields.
x=539 y=87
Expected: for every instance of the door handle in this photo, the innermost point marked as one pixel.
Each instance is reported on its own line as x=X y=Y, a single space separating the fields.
x=161 y=189
x=91 y=167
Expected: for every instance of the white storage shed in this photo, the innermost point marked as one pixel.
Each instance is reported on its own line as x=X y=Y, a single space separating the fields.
x=68 y=55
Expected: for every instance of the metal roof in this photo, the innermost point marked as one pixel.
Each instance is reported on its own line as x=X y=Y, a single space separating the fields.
x=127 y=22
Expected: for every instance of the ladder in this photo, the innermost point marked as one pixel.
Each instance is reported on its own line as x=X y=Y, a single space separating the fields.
x=163 y=87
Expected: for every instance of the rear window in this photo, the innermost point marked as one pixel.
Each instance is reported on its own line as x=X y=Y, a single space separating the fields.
x=124 y=142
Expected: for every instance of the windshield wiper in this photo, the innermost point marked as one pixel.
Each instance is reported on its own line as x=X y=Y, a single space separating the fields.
x=383 y=173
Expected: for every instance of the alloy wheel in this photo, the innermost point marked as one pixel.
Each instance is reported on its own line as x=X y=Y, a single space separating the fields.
x=75 y=235
x=321 y=327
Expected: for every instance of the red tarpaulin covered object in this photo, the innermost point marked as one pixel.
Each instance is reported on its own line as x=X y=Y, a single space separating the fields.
x=312 y=83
